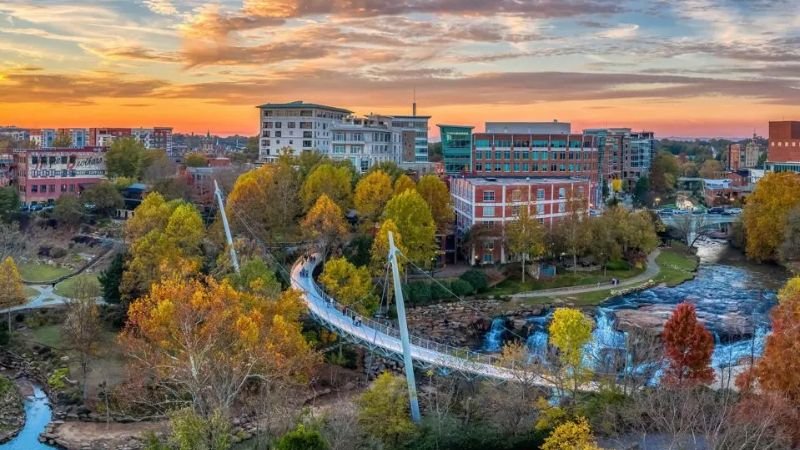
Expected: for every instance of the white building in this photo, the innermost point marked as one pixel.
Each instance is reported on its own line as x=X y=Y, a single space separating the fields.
x=366 y=141
x=418 y=126
x=296 y=125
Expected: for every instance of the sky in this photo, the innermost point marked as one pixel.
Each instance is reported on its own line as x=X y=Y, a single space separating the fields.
x=684 y=68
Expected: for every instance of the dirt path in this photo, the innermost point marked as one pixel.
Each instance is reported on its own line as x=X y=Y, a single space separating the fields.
x=79 y=435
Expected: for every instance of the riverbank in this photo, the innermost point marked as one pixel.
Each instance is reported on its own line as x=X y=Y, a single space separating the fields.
x=12 y=414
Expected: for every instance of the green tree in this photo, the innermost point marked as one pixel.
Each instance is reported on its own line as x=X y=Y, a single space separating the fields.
x=335 y=182
x=411 y=215
x=325 y=223
x=437 y=196
x=68 y=210
x=380 y=248
x=435 y=152
x=525 y=237
x=62 y=140
x=349 y=285
x=302 y=438
x=604 y=246
x=574 y=230
x=111 y=279
x=104 y=196
x=9 y=202
x=12 y=291
x=571 y=435
x=373 y=191
x=81 y=328
x=389 y=168
x=195 y=160
x=790 y=247
x=711 y=168
x=570 y=330
x=191 y=431
x=384 y=411
x=664 y=174
x=402 y=183
x=256 y=277
x=766 y=214
x=125 y=158
x=641 y=191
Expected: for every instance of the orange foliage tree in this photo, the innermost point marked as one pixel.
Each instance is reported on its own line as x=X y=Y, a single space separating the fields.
x=779 y=368
x=325 y=223
x=200 y=341
x=688 y=346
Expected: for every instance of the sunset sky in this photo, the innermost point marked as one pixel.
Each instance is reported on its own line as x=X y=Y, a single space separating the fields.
x=678 y=67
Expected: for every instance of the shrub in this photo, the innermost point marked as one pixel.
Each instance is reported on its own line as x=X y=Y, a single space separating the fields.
x=618 y=265
x=58 y=380
x=418 y=293
x=461 y=287
x=302 y=438
x=439 y=291
x=58 y=252
x=476 y=278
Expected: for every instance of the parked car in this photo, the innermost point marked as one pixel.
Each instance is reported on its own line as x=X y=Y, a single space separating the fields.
x=680 y=212
x=665 y=212
x=735 y=210
x=716 y=210
x=36 y=207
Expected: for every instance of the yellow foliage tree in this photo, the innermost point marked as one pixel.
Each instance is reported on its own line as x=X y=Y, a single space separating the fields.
x=402 y=183
x=266 y=199
x=570 y=330
x=525 y=237
x=383 y=409
x=325 y=222
x=616 y=185
x=573 y=435
x=372 y=193
x=437 y=196
x=201 y=341
x=413 y=219
x=380 y=247
x=349 y=285
x=767 y=211
x=335 y=182
x=12 y=291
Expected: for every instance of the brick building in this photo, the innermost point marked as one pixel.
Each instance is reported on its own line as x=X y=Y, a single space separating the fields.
x=43 y=175
x=496 y=201
x=783 y=150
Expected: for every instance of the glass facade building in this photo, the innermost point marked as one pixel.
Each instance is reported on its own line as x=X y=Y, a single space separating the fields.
x=456 y=148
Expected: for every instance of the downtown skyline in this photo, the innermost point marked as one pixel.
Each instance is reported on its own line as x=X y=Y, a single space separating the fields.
x=692 y=68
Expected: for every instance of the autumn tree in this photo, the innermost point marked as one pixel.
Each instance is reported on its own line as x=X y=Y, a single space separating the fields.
x=200 y=342
x=265 y=201
x=570 y=330
x=334 y=182
x=413 y=219
x=437 y=196
x=574 y=229
x=195 y=160
x=790 y=247
x=571 y=435
x=664 y=173
x=125 y=158
x=525 y=237
x=688 y=346
x=373 y=191
x=767 y=211
x=62 y=140
x=164 y=238
x=380 y=248
x=12 y=291
x=604 y=246
x=402 y=183
x=384 y=411
x=302 y=438
x=349 y=285
x=778 y=370
x=255 y=277
x=81 y=327
x=711 y=168
x=325 y=223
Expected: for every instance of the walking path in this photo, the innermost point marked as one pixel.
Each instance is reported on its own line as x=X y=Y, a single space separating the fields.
x=652 y=270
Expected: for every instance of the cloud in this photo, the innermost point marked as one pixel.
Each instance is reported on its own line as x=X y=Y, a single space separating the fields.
x=135 y=52
x=624 y=31
x=163 y=7
x=24 y=86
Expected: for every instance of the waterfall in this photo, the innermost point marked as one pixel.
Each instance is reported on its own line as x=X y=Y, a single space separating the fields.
x=604 y=338
x=729 y=354
x=493 y=341
x=537 y=345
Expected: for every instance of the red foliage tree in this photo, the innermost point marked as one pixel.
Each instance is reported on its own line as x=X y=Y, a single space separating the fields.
x=689 y=347
x=778 y=370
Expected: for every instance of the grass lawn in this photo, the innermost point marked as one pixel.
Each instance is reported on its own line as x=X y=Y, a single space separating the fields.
x=30 y=292
x=67 y=287
x=40 y=273
x=676 y=267
x=513 y=284
x=49 y=335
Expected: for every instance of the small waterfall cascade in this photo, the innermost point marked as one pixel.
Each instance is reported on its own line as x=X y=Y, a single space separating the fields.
x=493 y=341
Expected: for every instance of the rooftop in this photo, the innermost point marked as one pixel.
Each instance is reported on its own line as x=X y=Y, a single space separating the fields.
x=302 y=104
x=508 y=181
x=441 y=125
x=410 y=117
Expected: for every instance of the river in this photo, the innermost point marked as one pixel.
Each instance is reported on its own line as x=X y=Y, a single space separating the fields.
x=726 y=288
x=37 y=416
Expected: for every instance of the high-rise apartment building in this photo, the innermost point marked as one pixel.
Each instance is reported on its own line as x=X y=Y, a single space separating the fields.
x=734 y=157
x=366 y=141
x=623 y=154
x=297 y=125
x=416 y=136
x=783 y=150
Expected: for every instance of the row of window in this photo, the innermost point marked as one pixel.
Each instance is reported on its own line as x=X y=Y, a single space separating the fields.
x=267 y=143
x=507 y=143
x=490 y=211
x=301 y=125
x=534 y=156
x=50 y=160
x=64 y=173
x=45 y=188
x=516 y=194
x=783 y=144
x=525 y=168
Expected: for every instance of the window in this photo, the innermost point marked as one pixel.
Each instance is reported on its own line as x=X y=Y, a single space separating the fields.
x=265 y=133
x=358 y=137
x=290 y=125
x=34 y=188
x=358 y=149
x=539 y=210
x=306 y=143
x=540 y=194
x=339 y=149
x=562 y=192
x=364 y=165
x=516 y=195
x=515 y=211
x=478 y=167
x=488 y=196
x=562 y=207
x=52 y=188
x=277 y=124
x=488 y=252
x=63 y=188
x=278 y=134
x=267 y=124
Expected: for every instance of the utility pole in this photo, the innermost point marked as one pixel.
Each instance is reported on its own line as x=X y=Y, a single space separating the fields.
x=228 y=237
x=401 y=319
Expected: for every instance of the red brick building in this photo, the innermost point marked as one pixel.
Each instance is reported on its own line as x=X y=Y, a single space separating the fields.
x=783 y=150
x=43 y=175
x=496 y=201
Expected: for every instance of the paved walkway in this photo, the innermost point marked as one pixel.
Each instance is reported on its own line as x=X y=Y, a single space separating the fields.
x=649 y=273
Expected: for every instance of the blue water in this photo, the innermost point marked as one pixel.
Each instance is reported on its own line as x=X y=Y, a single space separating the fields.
x=493 y=341
x=37 y=416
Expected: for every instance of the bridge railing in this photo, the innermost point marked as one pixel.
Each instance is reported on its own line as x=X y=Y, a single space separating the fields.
x=469 y=356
